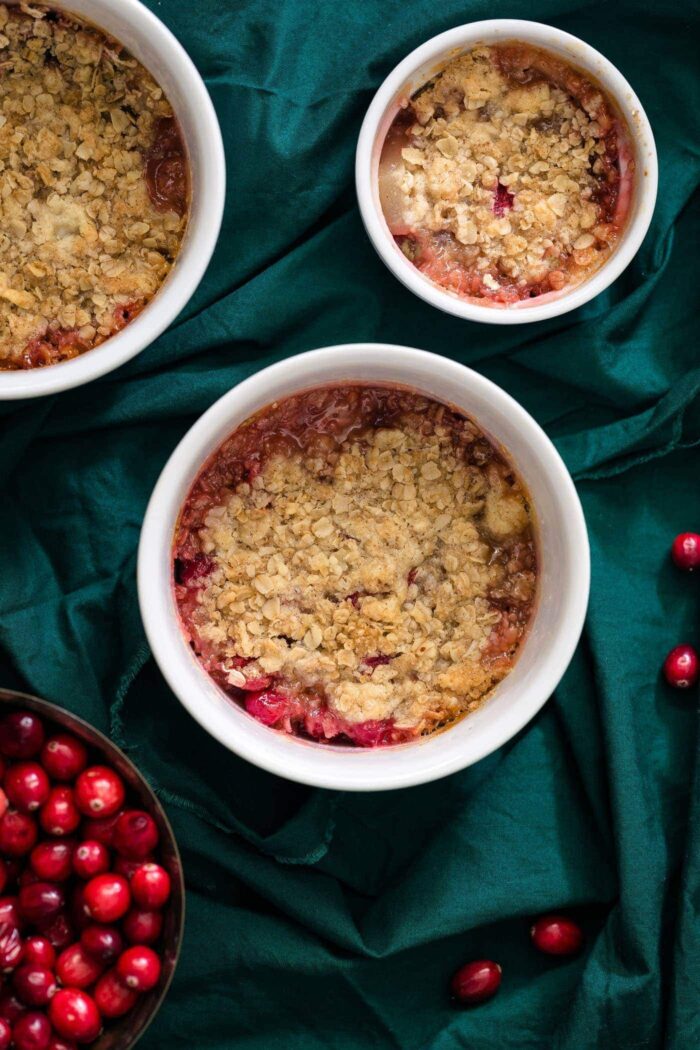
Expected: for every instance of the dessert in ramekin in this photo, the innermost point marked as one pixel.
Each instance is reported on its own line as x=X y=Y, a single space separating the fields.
x=356 y=564
x=112 y=188
x=291 y=572
x=506 y=172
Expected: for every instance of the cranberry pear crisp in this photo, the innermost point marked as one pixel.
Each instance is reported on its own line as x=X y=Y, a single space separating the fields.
x=508 y=176
x=356 y=564
x=93 y=187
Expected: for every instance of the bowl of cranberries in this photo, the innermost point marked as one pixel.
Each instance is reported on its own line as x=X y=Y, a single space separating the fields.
x=91 y=886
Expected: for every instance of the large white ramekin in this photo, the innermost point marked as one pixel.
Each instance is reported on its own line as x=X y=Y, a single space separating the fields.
x=423 y=64
x=563 y=586
x=155 y=46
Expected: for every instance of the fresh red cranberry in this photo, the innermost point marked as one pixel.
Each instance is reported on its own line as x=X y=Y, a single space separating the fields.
x=112 y=996
x=127 y=867
x=27 y=786
x=41 y=901
x=476 y=981
x=101 y=829
x=556 y=935
x=59 y=815
x=142 y=926
x=107 y=897
x=682 y=667
x=139 y=968
x=77 y=909
x=63 y=757
x=99 y=792
x=4 y=875
x=11 y=1008
x=58 y=930
x=32 y=1032
x=74 y=1014
x=76 y=969
x=9 y=912
x=11 y=947
x=27 y=877
x=150 y=886
x=35 y=985
x=59 y=1043
x=21 y=734
x=267 y=707
x=18 y=833
x=90 y=858
x=685 y=551
x=5 y=1034
x=135 y=834
x=52 y=861
x=4 y=802
x=39 y=951
x=104 y=943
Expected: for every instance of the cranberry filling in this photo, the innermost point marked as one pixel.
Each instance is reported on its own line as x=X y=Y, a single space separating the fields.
x=309 y=716
x=189 y=571
x=165 y=168
x=502 y=200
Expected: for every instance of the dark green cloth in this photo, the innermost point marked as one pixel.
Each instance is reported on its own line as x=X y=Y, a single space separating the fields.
x=321 y=920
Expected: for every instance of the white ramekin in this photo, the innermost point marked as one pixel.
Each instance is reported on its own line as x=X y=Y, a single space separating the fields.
x=157 y=49
x=562 y=551
x=423 y=64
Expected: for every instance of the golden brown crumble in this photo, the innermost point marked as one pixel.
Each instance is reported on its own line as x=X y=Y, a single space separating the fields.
x=376 y=574
x=508 y=161
x=82 y=246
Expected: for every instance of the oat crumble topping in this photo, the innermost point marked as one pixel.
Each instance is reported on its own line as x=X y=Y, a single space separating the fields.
x=382 y=568
x=507 y=176
x=87 y=234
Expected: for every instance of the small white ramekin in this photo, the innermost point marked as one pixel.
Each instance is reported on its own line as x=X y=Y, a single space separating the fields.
x=420 y=67
x=145 y=36
x=563 y=556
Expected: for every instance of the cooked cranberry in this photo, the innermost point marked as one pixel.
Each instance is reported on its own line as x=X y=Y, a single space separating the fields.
x=127 y=866
x=9 y=912
x=502 y=200
x=5 y=1034
x=63 y=757
x=101 y=829
x=18 y=833
x=39 y=950
x=53 y=860
x=476 y=981
x=139 y=968
x=90 y=858
x=35 y=985
x=142 y=926
x=21 y=734
x=10 y=1006
x=681 y=667
x=112 y=996
x=76 y=968
x=103 y=943
x=685 y=551
x=27 y=786
x=135 y=834
x=99 y=792
x=556 y=935
x=59 y=815
x=107 y=897
x=267 y=707
x=74 y=1014
x=58 y=930
x=32 y=1032
x=41 y=901
x=11 y=947
x=150 y=886
x=187 y=572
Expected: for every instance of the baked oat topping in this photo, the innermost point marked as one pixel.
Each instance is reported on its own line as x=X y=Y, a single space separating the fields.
x=93 y=196
x=357 y=563
x=508 y=176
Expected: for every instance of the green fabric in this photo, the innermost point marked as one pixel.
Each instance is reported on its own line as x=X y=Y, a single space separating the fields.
x=321 y=920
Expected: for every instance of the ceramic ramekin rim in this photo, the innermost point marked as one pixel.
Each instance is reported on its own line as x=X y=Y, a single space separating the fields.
x=196 y=250
x=587 y=58
x=314 y=764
